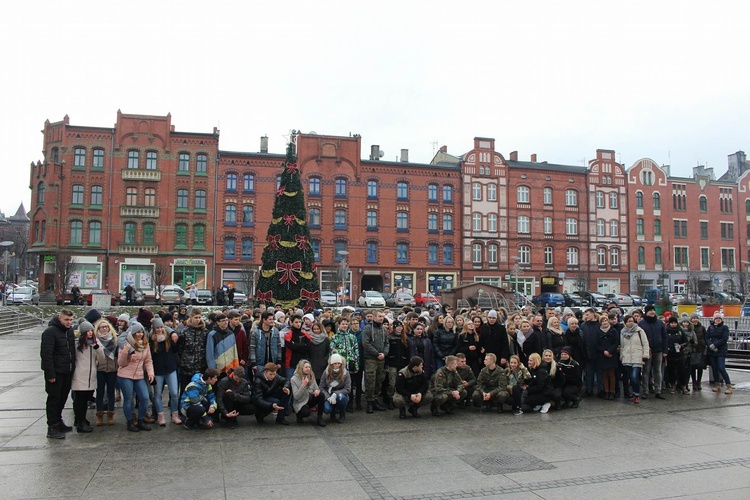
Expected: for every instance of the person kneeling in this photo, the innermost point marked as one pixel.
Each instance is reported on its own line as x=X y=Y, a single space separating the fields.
x=336 y=386
x=306 y=394
x=448 y=387
x=492 y=385
x=270 y=394
x=412 y=388
x=234 y=397
x=199 y=400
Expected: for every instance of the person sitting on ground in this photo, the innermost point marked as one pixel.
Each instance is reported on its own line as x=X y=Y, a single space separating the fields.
x=572 y=381
x=555 y=376
x=539 y=386
x=447 y=388
x=336 y=386
x=306 y=394
x=199 y=400
x=271 y=394
x=234 y=397
x=469 y=380
x=412 y=388
x=517 y=375
x=492 y=385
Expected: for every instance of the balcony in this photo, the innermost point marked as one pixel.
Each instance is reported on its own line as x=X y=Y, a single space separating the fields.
x=141 y=175
x=139 y=249
x=139 y=212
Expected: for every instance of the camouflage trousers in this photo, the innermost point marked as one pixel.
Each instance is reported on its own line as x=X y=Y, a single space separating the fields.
x=447 y=397
x=400 y=402
x=497 y=396
x=374 y=376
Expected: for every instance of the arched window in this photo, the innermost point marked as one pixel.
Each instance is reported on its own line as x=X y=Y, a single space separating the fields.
x=247 y=248
x=79 y=157
x=402 y=253
x=130 y=233
x=199 y=236
x=402 y=221
x=432 y=223
x=571 y=226
x=314 y=186
x=149 y=197
x=230 y=248
x=492 y=223
x=491 y=192
x=432 y=253
x=639 y=200
x=372 y=252
x=339 y=219
x=447 y=223
x=40 y=193
x=230 y=215
x=448 y=193
x=614 y=257
x=180 y=231
x=201 y=163
x=548 y=256
x=476 y=191
x=600 y=227
x=184 y=163
x=476 y=253
x=641 y=256
x=402 y=190
x=524 y=254
x=372 y=189
x=523 y=194
x=548 y=196
x=657 y=201
x=571 y=198
x=432 y=192
x=149 y=237
x=657 y=256
x=313 y=217
x=182 y=199
x=614 y=228
x=151 y=159
x=703 y=204
x=340 y=187
x=248 y=216
x=448 y=254
x=200 y=199
x=571 y=255
x=131 y=196
x=248 y=183
x=601 y=257
x=77 y=194
x=96 y=195
x=231 y=182
x=95 y=233
x=492 y=254
x=476 y=222
x=133 y=156
x=372 y=220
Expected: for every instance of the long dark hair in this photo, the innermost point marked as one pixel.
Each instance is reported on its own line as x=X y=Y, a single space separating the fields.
x=82 y=340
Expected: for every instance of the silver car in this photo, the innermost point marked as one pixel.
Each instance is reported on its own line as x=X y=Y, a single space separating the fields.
x=24 y=295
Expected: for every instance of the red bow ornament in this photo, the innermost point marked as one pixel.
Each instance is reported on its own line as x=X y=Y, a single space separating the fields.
x=290 y=219
x=291 y=168
x=310 y=297
x=302 y=242
x=273 y=241
x=288 y=269
x=265 y=297
x=281 y=190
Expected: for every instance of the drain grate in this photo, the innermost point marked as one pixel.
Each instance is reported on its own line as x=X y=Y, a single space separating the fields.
x=505 y=462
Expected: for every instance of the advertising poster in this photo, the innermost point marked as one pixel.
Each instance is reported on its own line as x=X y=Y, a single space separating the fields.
x=75 y=279
x=146 y=281
x=128 y=278
x=92 y=279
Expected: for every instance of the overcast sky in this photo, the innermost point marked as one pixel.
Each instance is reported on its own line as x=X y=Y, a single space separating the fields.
x=665 y=80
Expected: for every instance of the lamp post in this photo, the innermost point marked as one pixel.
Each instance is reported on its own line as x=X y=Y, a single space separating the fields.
x=516 y=269
x=344 y=272
x=6 y=255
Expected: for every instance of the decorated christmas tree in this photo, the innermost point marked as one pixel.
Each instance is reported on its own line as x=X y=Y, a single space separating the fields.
x=288 y=274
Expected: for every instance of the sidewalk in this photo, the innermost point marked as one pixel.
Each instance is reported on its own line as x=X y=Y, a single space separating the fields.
x=695 y=446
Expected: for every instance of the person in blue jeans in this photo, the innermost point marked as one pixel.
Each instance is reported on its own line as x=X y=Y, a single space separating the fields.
x=717 y=336
x=336 y=386
x=165 y=358
x=133 y=358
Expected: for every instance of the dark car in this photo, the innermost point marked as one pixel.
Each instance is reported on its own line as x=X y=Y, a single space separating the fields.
x=574 y=300
x=595 y=299
x=549 y=299
x=205 y=297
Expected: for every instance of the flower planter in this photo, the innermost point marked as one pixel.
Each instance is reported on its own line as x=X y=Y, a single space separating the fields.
x=710 y=309
x=686 y=309
x=733 y=310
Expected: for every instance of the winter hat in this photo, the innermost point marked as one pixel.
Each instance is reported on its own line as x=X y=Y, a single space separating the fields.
x=93 y=316
x=695 y=315
x=278 y=315
x=358 y=311
x=270 y=309
x=135 y=327
x=336 y=358
x=557 y=309
x=308 y=316
x=299 y=311
x=492 y=314
x=157 y=323
x=684 y=317
x=111 y=319
x=565 y=349
x=672 y=319
x=648 y=308
x=316 y=312
x=717 y=314
x=567 y=311
x=85 y=327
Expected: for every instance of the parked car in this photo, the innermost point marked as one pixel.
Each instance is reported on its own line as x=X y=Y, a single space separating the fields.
x=623 y=300
x=101 y=291
x=637 y=300
x=371 y=298
x=400 y=299
x=138 y=298
x=574 y=300
x=423 y=299
x=173 y=294
x=595 y=299
x=24 y=295
x=205 y=297
x=239 y=297
x=328 y=298
x=65 y=297
x=720 y=297
x=549 y=299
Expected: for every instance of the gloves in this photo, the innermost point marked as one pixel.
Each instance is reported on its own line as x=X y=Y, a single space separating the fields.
x=95 y=346
x=332 y=399
x=713 y=348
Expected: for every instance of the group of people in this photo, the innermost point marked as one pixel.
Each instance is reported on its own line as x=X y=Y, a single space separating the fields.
x=269 y=361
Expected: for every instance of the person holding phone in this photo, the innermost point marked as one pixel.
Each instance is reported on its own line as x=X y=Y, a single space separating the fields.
x=88 y=357
x=133 y=357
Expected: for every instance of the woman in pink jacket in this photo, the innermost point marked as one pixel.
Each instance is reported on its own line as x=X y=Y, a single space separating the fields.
x=88 y=357
x=134 y=357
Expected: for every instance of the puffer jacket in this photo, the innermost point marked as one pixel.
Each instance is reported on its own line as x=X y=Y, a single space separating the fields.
x=191 y=346
x=133 y=368
x=634 y=348
x=198 y=391
x=539 y=381
x=57 y=350
x=84 y=377
x=444 y=342
x=718 y=336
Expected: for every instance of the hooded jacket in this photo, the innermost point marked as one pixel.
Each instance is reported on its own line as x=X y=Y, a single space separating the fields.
x=191 y=345
x=133 y=368
x=198 y=391
x=57 y=350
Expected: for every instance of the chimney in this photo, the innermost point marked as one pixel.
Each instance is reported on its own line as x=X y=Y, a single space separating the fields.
x=514 y=156
x=264 y=144
x=443 y=149
x=533 y=158
x=375 y=152
x=405 y=155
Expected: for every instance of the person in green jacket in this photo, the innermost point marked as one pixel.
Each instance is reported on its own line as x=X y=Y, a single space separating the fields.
x=492 y=385
x=448 y=388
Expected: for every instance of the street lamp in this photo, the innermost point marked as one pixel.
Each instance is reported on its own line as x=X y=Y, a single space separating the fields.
x=516 y=269
x=6 y=255
x=344 y=271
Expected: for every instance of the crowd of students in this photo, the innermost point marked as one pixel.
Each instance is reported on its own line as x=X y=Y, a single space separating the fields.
x=267 y=361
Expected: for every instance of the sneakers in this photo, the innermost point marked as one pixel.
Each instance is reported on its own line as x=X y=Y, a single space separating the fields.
x=545 y=408
x=729 y=389
x=686 y=391
x=518 y=411
x=537 y=407
x=637 y=400
x=716 y=388
x=54 y=433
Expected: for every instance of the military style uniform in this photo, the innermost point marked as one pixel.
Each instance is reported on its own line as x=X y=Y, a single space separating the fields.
x=444 y=382
x=494 y=382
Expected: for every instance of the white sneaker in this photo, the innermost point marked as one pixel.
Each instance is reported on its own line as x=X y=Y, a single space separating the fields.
x=537 y=408
x=545 y=408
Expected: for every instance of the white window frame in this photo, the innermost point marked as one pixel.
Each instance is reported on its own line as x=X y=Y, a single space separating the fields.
x=601 y=256
x=571 y=226
x=491 y=192
x=476 y=253
x=614 y=257
x=476 y=222
x=548 y=196
x=524 y=224
x=523 y=194
x=614 y=228
x=524 y=254
x=548 y=225
x=476 y=191
x=571 y=198
x=548 y=256
x=572 y=256
x=492 y=223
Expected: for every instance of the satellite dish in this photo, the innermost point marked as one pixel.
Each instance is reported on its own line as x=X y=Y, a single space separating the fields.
x=312 y=132
x=381 y=153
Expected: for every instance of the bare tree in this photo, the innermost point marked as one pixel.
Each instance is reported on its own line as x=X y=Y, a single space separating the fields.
x=161 y=272
x=248 y=275
x=693 y=286
x=64 y=263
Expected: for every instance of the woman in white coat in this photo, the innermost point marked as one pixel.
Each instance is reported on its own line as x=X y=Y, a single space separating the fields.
x=89 y=356
x=634 y=352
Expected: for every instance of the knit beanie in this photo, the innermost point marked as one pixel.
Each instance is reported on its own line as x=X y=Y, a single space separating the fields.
x=124 y=317
x=92 y=316
x=157 y=323
x=85 y=327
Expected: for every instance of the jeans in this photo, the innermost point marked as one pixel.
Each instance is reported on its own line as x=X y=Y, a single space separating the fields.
x=635 y=379
x=593 y=373
x=717 y=367
x=341 y=401
x=656 y=362
x=140 y=387
x=108 y=380
x=174 y=391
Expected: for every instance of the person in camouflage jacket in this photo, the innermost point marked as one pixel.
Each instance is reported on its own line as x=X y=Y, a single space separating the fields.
x=492 y=385
x=447 y=387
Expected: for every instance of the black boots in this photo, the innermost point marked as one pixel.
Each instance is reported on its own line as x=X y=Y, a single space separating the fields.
x=63 y=427
x=142 y=426
x=133 y=425
x=434 y=410
x=370 y=407
x=54 y=433
x=402 y=413
x=83 y=427
x=414 y=410
x=377 y=406
x=320 y=417
x=389 y=403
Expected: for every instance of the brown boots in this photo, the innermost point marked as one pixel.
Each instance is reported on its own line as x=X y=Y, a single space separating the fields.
x=110 y=418
x=99 y=418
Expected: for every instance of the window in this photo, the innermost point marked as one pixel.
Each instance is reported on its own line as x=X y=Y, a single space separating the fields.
x=492 y=223
x=199 y=236
x=201 y=163
x=641 y=256
x=230 y=215
x=432 y=192
x=476 y=222
x=339 y=219
x=314 y=189
x=447 y=193
x=372 y=252
x=278 y=182
x=639 y=227
x=130 y=233
x=231 y=182
x=680 y=228
x=230 y=245
x=571 y=256
x=657 y=201
x=448 y=254
x=184 y=164
x=98 y=159
x=703 y=204
x=248 y=183
x=548 y=256
x=747 y=207
x=476 y=191
x=600 y=227
x=571 y=198
x=79 y=158
x=338 y=247
x=599 y=199
x=402 y=191
x=727 y=231
x=648 y=178
x=314 y=217
x=601 y=257
x=657 y=227
x=639 y=200
x=372 y=189
x=77 y=194
x=524 y=255
x=613 y=200
x=705 y=258
x=523 y=194
x=492 y=254
x=402 y=222
x=657 y=256
x=614 y=228
x=131 y=197
x=402 y=253
x=476 y=253
x=40 y=193
x=95 y=233
x=432 y=253
x=148 y=234
x=447 y=223
x=681 y=256
x=491 y=192
x=182 y=199
x=151 y=160
x=372 y=220
x=96 y=195
x=432 y=223
x=341 y=187
x=180 y=231
x=247 y=248
x=727 y=258
x=548 y=225
x=248 y=216
x=614 y=257
x=548 y=196
x=315 y=245
x=571 y=226
x=150 y=197
x=44 y=230
x=523 y=224
x=200 y=199
x=704 y=230
x=132 y=159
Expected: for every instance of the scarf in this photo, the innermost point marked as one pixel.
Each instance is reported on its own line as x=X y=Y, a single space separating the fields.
x=605 y=330
x=555 y=331
x=160 y=337
x=108 y=343
x=317 y=338
x=629 y=332
x=520 y=337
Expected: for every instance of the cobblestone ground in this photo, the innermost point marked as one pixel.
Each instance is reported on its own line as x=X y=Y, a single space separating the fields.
x=695 y=446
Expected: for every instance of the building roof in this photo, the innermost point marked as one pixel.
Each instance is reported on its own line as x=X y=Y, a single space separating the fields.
x=20 y=214
x=410 y=165
x=529 y=165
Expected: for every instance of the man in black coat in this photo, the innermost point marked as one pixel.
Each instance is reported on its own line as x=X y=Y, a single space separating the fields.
x=58 y=362
x=494 y=338
x=412 y=388
x=271 y=393
x=234 y=396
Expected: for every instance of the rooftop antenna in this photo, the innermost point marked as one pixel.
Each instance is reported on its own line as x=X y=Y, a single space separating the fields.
x=434 y=147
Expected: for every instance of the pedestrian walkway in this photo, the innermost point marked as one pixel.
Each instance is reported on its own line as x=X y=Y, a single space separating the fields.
x=695 y=446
